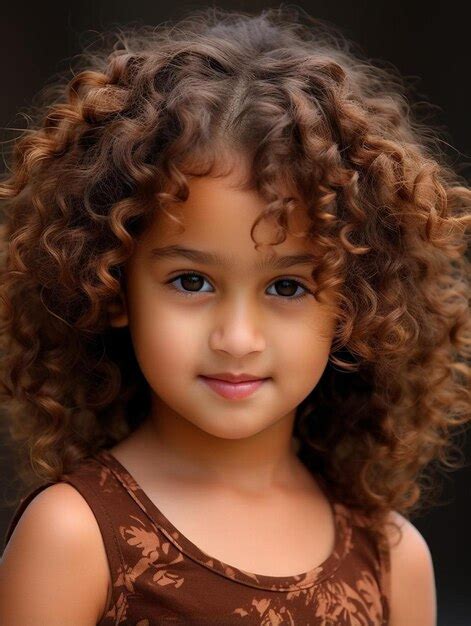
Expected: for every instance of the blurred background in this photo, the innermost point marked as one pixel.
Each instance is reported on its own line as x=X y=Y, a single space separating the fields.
x=427 y=43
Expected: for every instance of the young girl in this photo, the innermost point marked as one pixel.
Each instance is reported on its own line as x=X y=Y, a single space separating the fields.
x=235 y=333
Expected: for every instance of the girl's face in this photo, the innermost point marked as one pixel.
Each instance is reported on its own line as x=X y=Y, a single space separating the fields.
x=229 y=315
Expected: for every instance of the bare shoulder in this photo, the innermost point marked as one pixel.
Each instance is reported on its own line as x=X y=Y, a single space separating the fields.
x=413 y=593
x=56 y=558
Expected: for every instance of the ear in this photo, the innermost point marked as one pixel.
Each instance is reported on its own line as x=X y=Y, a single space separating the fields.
x=117 y=312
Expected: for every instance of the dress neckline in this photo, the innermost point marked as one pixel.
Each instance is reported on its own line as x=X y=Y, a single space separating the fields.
x=342 y=524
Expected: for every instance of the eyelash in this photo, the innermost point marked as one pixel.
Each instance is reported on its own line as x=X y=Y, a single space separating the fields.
x=191 y=293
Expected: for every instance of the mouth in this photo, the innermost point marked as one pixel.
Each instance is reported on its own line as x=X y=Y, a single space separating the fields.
x=233 y=391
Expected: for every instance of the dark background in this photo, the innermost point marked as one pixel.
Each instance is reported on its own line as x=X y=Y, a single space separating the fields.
x=430 y=47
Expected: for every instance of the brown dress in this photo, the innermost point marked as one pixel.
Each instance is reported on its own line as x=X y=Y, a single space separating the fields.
x=160 y=577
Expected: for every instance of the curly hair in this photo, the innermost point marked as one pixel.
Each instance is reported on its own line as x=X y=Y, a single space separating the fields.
x=147 y=107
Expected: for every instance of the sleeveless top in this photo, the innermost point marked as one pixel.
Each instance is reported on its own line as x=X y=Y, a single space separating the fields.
x=160 y=577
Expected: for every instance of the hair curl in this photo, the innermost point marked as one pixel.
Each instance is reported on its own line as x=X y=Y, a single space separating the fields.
x=388 y=219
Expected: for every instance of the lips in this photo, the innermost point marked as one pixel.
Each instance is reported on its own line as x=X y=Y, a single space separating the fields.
x=234 y=378
x=233 y=390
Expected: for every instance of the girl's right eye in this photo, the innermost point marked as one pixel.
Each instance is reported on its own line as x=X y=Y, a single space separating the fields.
x=193 y=279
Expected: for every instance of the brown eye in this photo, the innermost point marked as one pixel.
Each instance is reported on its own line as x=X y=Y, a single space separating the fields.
x=288 y=287
x=191 y=282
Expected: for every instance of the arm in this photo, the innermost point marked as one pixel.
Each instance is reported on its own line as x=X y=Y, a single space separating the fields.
x=54 y=569
x=413 y=594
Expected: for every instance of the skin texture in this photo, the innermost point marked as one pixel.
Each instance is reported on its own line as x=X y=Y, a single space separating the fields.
x=234 y=318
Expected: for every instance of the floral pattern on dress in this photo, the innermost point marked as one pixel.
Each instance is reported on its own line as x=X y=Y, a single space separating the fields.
x=332 y=602
x=159 y=577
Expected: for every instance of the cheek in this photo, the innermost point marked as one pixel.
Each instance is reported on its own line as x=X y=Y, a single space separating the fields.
x=304 y=350
x=165 y=341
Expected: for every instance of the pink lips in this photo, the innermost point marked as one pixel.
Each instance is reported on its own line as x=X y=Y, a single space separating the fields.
x=233 y=391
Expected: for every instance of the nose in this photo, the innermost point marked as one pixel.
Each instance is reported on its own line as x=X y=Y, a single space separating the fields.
x=237 y=331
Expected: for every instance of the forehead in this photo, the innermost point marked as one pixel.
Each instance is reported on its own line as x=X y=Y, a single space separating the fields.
x=218 y=216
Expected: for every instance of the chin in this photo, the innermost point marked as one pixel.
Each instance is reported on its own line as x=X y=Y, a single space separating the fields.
x=230 y=429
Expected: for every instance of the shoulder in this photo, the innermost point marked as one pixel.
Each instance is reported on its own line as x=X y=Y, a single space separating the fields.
x=412 y=583
x=55 y=557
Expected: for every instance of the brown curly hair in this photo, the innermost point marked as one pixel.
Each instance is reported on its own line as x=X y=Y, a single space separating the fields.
x=389 y=217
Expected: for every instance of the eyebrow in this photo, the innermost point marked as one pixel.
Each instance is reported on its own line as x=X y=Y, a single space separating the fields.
x=210 y=258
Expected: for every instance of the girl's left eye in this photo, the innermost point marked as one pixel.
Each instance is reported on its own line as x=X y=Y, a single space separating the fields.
x=192 y=279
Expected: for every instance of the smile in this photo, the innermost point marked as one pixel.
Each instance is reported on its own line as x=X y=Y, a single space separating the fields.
x=233 y=391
